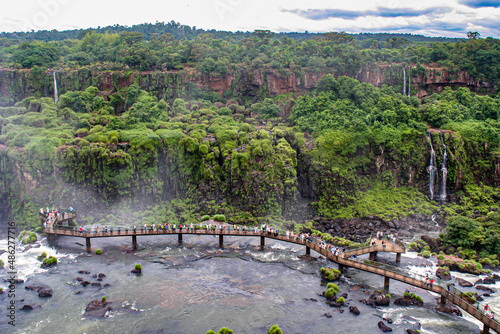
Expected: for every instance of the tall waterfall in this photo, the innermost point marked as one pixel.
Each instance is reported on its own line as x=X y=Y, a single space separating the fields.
x=409 y=83
x=56 y=97
x=404 y=81
x=444 y=172
x=432 y=169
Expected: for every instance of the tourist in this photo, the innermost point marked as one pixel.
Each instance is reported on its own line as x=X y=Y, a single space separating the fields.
x=106 y=229
x=81 y=229
x=427 y=280
x=97 y=230
x=134 y=229
x=432 y=282
x=486 y=308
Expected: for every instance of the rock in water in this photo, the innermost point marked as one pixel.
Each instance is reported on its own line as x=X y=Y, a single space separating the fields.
x=43 y=291
x=484 y=288
x=26 y=308
x=96 y=309
x=378 y=298
x=449 y=308
x=411 y=331
x=463 y=282
x=383 y=327
x=443 y=273
x=354 y=309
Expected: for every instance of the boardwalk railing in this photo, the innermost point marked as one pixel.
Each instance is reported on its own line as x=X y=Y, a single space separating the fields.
x=454 y=295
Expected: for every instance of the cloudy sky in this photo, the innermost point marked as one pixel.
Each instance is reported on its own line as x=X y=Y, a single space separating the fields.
x=451 y=18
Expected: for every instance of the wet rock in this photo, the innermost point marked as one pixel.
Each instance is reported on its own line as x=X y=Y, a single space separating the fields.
x=463 y=282
x=383 y=327
x=95 y=284
x=489 y=280
x=311 y=299
x=389 y=320
x=85 y=283
x=411 y=331
x=26 y=308
x=84 y=272
x=94 y=276
x=96 y=309
x=79 y=279
x=408 y=302
x=449 y=308
x=378 y=298
x=354 y=309
x=16 y=281
x=101 y=275
x=43 y=291
x=99 y=279
x=106 y=285
x=484 y=288
x=443 y=273
x=344 y=295
x=335 y=304
x=136 y=271
x=328 y=315
x=79 y=292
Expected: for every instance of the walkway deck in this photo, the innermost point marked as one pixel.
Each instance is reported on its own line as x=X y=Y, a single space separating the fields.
x=343 y=260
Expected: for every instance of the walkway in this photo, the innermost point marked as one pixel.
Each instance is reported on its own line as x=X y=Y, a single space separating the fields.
x=347 y=259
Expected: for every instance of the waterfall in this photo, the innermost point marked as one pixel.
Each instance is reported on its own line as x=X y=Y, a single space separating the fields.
x=444 y=172
x=56 y=97
x=409 y=83
x=432 y=170
x=404 y=81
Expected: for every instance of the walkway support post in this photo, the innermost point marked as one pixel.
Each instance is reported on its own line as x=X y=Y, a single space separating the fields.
x=308 y=251
x=262 y=242
x=386 y=282
x=341 y=268
x=442 y=301
x=221 y=240
x=87 y=242
x=486 y=329
x=134 y=242
x=398 y=257
x=372 y=256
x=179 y=238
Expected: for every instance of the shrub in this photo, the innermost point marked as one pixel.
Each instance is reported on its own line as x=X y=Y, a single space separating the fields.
x=388 y=295
x=204 y=218
x=103 y=299
x=39 y=229
x=1 y=264
x=440 y=256
x=22 y=234
x=43 y=255
x=274 y=330
x=340 y=300
x=219 y=218
x=211 y=332
x=407 y=294
x=330 y=293
x=333 y=286
x=412 y=245
x=426 y=254
x=225 y=330
x=98 y=251
x=419 y=299
x=138 y=267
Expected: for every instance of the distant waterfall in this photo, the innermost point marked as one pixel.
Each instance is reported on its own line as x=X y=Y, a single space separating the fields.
x=56 y=97
x=444 y=172
x=404 y=81
x=432 y=169
x=409 y=83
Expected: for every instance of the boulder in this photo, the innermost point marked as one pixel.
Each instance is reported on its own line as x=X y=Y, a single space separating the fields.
x=443 y=273
x=411 y=331
x=463 y=282
x=95 y=284
x=449 y=308
x=84 y=272
x=96 y=309
x=378 y=298
x=85 y=283
x=354 y=309
x=383 y=327
x=101 y=275
x=484 y=288
x=79 y=279
x=136 y=271
x=26 y=308
x=328 y=315
x=43 y=292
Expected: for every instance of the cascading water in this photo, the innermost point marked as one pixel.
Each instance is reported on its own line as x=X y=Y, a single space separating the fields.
x=432 y=169
x=409 y=83
x=404 y=81
x=444 y=172
x=56 y=97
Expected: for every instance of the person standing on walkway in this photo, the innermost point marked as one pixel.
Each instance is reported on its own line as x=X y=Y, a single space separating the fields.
x=427 y=280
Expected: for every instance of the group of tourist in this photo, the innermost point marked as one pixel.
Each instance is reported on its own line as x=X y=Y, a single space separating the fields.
x=50 y=215
x=383 y=238
x=489 y=311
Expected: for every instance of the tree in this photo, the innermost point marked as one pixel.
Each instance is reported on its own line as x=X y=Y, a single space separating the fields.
x=473 y=35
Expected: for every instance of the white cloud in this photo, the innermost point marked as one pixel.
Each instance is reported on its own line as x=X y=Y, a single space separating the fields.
x=276 y=15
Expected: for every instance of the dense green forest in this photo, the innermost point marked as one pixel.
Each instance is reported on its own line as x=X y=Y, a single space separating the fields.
x=348 y=148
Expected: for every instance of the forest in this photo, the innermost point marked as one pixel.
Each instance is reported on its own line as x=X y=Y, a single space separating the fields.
x=348 y=148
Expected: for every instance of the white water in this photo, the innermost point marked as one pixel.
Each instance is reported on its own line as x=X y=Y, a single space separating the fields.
x=404 y=81
x=444 y=172
x=56 y=94
x=432 y=169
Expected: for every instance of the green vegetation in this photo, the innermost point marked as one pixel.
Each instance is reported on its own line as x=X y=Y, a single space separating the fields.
x=138 y=267
x=98 y=251
x=340 y=300
x=274 y=330
x=223 y=330
x=330 y=274
x=103 y=299
x=49 y=261
x=42 y=256
x=27 y=237
x=1 y=264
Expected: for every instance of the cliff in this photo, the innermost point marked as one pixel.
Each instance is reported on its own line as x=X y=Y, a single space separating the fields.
x=241 y=83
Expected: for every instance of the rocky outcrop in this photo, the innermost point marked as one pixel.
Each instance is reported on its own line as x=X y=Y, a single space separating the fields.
x=463 y=283
x=443 y=273
x=403 y=301
x=383 y=327
x=96 y=309
x=354 y=310
x=449 y=308
x=378 y=298
x=43 y=292
x=484 y=288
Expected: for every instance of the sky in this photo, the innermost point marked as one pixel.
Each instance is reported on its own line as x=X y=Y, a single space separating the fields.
x=451 y=18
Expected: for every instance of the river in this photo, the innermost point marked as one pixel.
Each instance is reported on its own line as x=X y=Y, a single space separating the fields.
x=196 y=286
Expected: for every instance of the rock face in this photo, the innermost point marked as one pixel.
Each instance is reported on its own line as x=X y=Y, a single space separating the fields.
x=463 y=282
x=96 y=309
x=383 y=327
x=449 y=308
x=484 y=288
x=443 y=273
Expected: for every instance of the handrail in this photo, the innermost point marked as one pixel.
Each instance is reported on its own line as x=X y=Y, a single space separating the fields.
x=453 y=294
